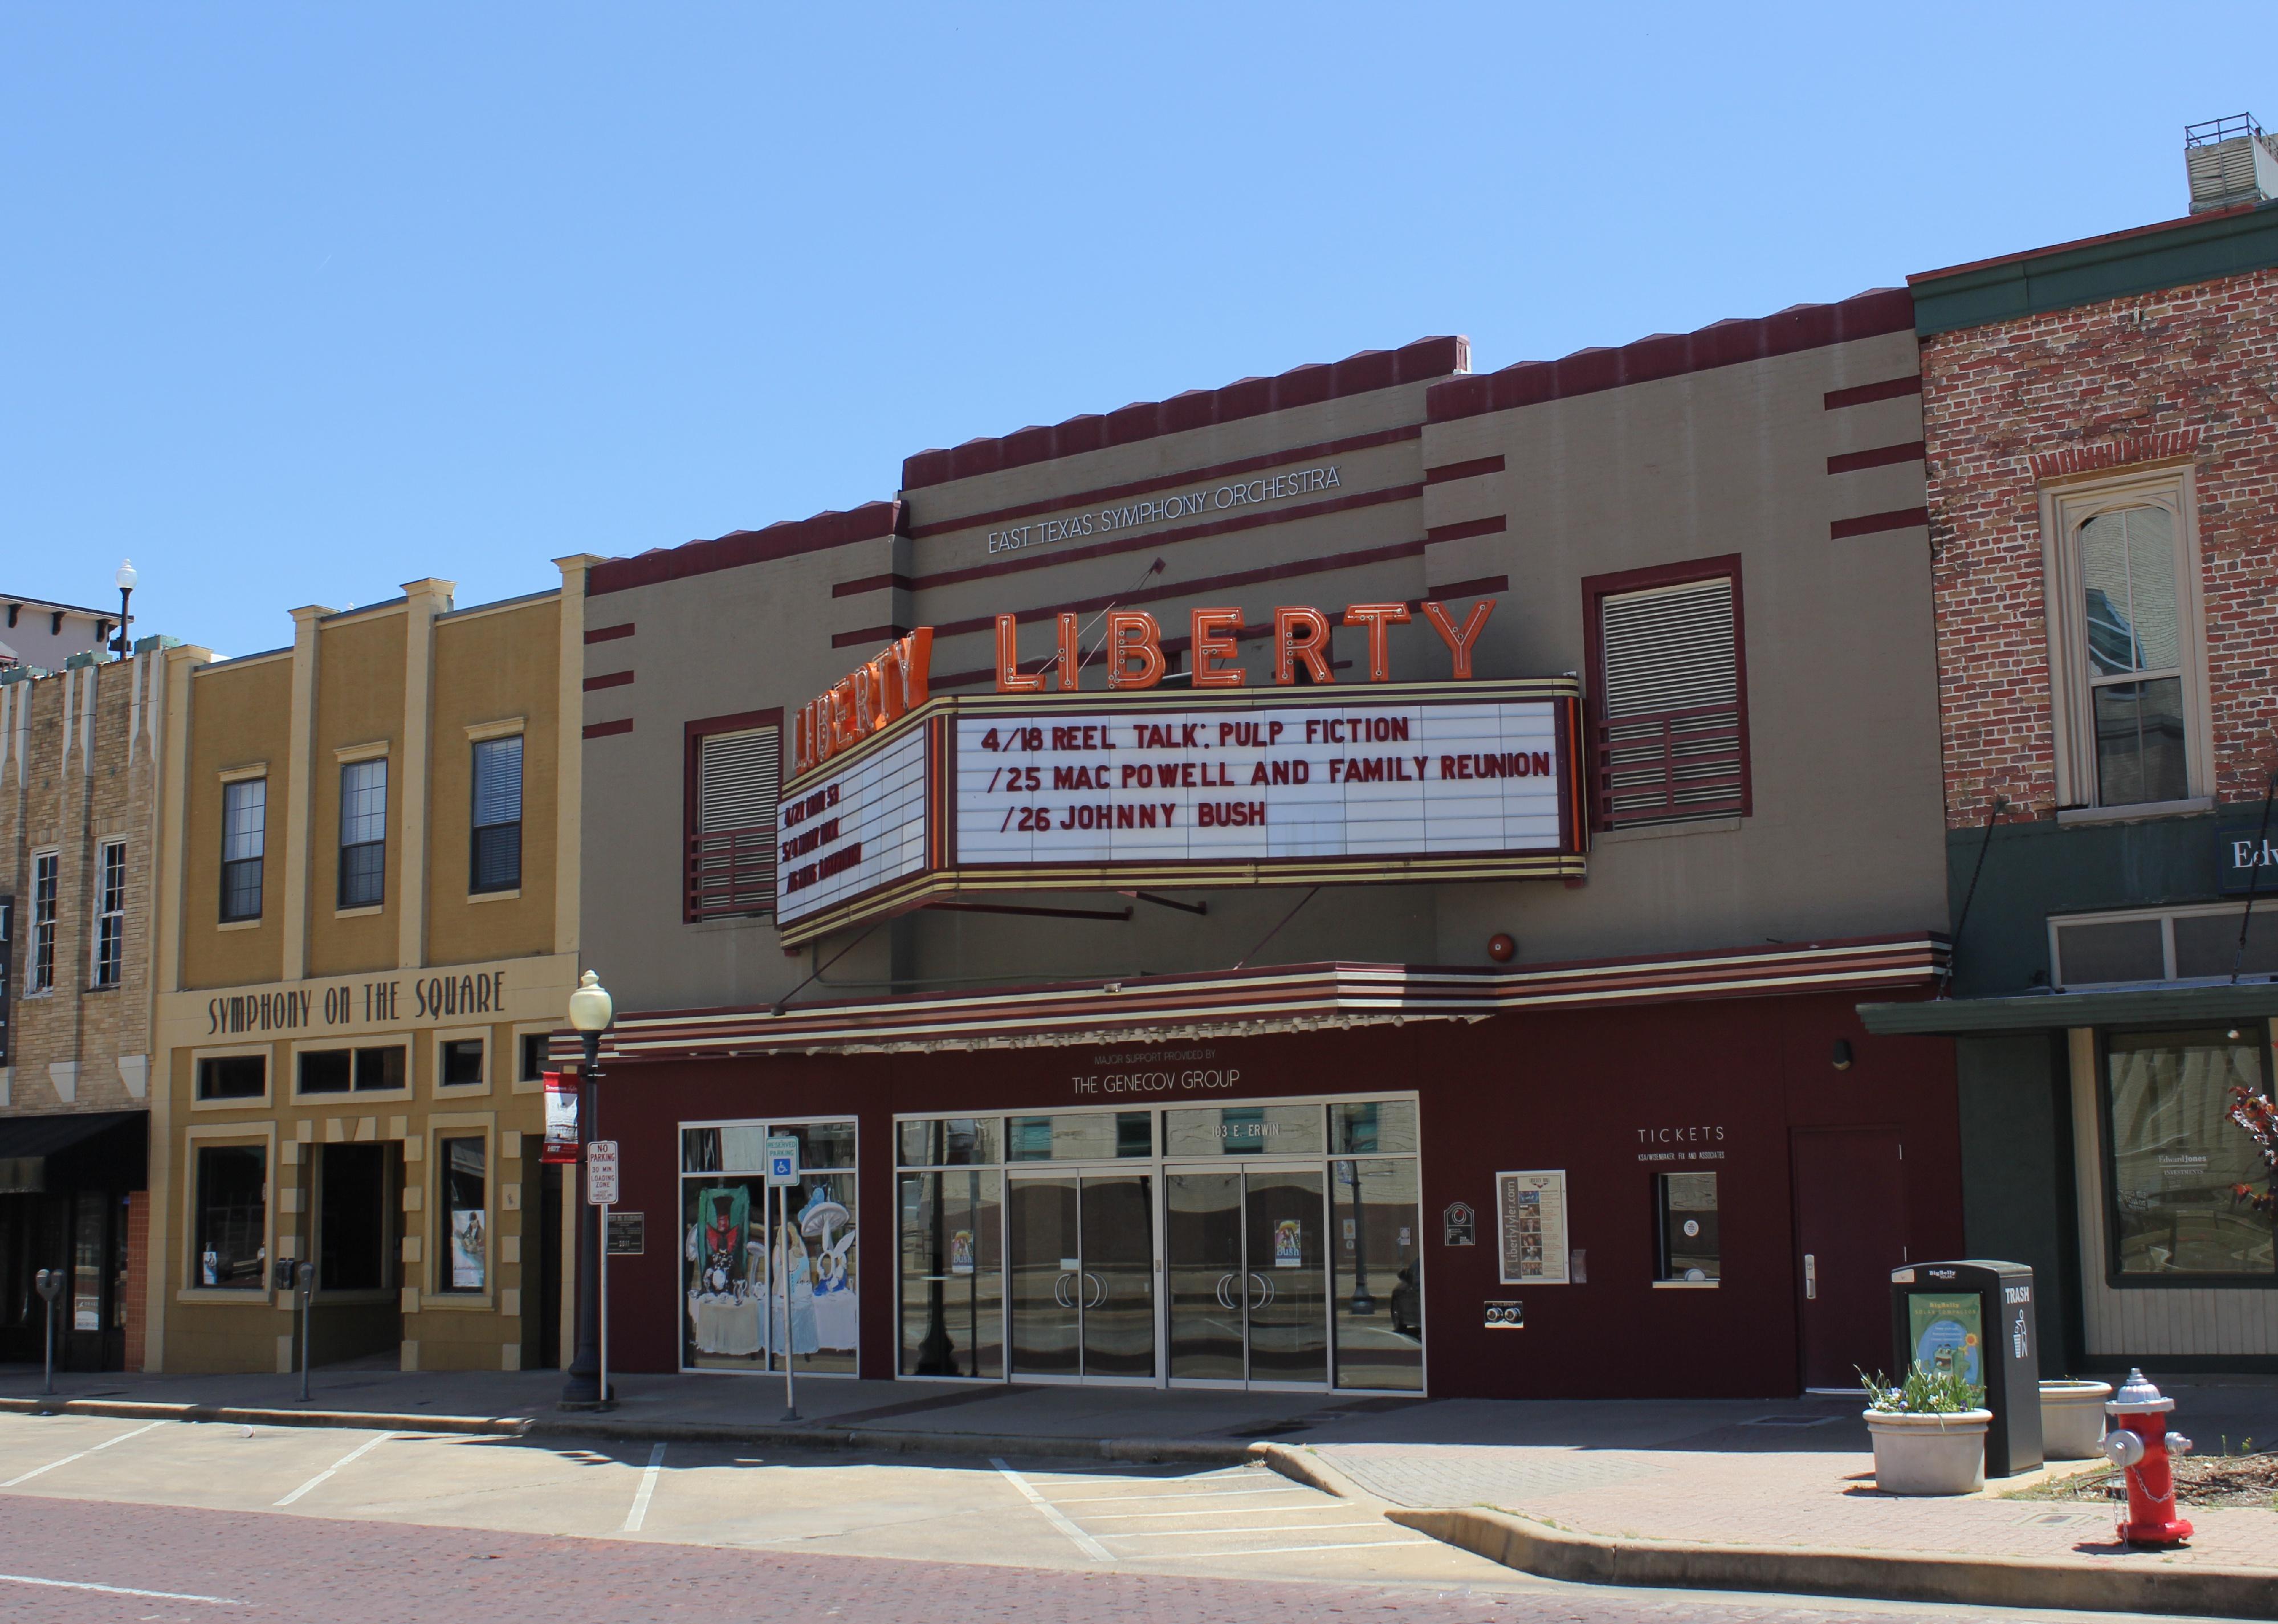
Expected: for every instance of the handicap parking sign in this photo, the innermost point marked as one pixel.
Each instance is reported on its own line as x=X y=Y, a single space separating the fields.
x=783 y=1159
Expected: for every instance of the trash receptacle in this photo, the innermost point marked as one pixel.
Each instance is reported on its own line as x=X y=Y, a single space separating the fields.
x=1976 y=1315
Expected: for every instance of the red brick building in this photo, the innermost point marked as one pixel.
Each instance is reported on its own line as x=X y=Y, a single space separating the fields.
x=2100 y=441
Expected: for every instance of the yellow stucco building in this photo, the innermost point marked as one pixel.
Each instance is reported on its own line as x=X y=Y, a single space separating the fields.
x=367 y=928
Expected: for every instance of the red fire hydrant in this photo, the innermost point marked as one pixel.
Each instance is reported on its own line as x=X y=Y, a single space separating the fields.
x=2139 y=1445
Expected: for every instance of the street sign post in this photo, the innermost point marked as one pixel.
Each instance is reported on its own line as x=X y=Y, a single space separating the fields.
x=601 y=1191
x=782 y=1177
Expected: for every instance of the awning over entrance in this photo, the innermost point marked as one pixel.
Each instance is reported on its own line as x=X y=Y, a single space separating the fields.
x=2132 y=1006
x=1246 y=1002
x=65 y=1150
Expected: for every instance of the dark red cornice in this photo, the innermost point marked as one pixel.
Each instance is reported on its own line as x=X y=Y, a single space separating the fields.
x=1667 y=354
x=871 y=521
x=1197 y=408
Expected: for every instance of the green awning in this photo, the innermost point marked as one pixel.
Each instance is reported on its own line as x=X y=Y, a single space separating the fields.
x=2128 y=1006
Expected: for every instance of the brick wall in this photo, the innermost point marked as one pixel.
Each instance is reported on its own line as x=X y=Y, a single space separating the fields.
x=137 y=1274
x=57 y=793
x=2189 y=371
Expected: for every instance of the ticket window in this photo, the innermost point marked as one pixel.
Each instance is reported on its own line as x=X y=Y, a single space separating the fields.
x=1689 y=1251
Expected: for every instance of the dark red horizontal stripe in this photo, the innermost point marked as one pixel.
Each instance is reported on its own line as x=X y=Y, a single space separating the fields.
x=1208 y=586
x=1198 y=408
x=1462 y=471
x=1140 y=487
x=607 y=679
x=1040 y=558
x=1860 y=395
x=604 y=634
x=872 y=522
x=603 y=729
x=1881 y=456
x=1671 y=355
x=1874 y=523
x=1470 y=526
x=1482 y=586
x=872 y=583
x=868 y=634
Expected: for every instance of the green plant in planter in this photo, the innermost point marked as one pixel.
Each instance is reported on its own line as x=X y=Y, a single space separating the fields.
x=1922 y=1393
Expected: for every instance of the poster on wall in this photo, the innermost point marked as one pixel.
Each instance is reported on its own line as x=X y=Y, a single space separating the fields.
x=1531 y=1223
x=561 y=1119
x=466 y=1249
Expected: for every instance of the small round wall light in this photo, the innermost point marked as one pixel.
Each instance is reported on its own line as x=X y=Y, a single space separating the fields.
x=1841 y=1059
x=1501 y=947
x=2232 y=1035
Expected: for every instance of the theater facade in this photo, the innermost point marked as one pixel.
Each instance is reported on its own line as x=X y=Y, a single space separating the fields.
x=1357 y=879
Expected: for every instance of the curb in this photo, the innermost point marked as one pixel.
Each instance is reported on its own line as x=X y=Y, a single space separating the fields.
x=1200 y=1452
x=1983 y=1581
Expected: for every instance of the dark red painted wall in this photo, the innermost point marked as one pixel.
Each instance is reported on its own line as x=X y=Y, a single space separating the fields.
x=1571 y=1090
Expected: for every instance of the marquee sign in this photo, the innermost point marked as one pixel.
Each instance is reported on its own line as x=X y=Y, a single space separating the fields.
x=1291 y=786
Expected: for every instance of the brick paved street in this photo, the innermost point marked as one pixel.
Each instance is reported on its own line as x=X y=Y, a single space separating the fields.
x=213 y=1566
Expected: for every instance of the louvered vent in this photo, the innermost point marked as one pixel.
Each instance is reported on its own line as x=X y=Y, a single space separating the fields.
x=1672 y=741
x=2229 y=162
x=731 y=857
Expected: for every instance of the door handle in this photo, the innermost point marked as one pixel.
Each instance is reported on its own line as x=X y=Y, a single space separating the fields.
x=1099 y=1286
x=1265 y=1287
x=1059 y=1291
x=1225 y=1281
x=1810 y=1277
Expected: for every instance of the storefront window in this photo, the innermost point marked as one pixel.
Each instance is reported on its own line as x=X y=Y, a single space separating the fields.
x=952 y=1273
x=2176 y=1157
x=951 y=1141
x=1689 y=1248
x=1080 y=1136
x=1243 y=1131
x=335 y=1071
x=736 y=1260
x=1378 y=1289
x=233 y=1077
x=465 y=1238
x=1373 y=1127
x=232 y=1199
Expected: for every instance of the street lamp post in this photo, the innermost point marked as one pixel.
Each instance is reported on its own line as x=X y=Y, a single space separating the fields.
x=126 y=579
x=589 y=1011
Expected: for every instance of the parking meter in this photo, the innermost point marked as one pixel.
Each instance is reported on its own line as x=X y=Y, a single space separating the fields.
x=304 y=1287
x=50 y=1284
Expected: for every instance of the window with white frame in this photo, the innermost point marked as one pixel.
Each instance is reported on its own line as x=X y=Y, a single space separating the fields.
x=2125 y=647
x=2199 y=943
x=495 y=858
x=110 y=912
x=40 y=975
x=363 y=832
x=244 y=829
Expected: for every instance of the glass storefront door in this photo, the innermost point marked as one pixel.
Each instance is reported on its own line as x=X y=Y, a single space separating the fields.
x=1285 y=1235
x=1248 y=1265
x=1079 y=1258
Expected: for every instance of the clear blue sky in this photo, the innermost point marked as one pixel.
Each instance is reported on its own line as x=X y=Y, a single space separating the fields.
x=303 y=301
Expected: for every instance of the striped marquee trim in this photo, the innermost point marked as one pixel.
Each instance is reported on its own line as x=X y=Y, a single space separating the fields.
x=1244 y=1002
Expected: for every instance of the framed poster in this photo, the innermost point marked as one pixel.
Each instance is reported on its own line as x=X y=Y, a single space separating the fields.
x=1531 y=1226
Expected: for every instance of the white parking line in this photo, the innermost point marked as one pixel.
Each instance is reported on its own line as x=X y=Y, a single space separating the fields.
x=1357 y=1544
x=1191 y=1494
x=336 y=1466
x=647 y=1488
x=1320 y=1528
x=82 y=1455
x=1213 y=1511
x=117 y=1589
x=1052 y=1514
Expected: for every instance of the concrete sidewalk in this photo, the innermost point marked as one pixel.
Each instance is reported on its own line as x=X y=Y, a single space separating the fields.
x=1786 y=1484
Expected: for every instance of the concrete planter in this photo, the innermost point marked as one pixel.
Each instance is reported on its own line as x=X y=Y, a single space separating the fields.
x=2072 y=1419
x=1928 y=1454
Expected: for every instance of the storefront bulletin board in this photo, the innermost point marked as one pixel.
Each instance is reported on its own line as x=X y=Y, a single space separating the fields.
x=1531 y=1226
